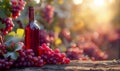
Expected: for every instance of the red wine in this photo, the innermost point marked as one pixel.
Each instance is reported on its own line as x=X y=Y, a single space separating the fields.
x=32 y=33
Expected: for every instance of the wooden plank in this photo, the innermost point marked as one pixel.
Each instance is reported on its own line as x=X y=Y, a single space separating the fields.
x=76 y=65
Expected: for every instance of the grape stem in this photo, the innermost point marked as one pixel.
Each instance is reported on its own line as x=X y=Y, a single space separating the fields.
x=1 y=40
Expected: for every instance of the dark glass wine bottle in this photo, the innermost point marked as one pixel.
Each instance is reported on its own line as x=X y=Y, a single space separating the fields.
x=32 y=33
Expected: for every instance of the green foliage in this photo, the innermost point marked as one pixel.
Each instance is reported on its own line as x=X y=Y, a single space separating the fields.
x=13 y=55
x=11 y=39
x=2 y=25
x=18 y=47
x=12 y=50
x=5 y=9
x=31 y=2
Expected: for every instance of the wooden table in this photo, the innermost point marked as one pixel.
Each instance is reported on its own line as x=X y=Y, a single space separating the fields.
x=75 y=65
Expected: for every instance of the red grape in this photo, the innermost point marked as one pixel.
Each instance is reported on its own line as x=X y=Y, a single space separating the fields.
x=47 y=13
x=52 y=57
x=17 y=7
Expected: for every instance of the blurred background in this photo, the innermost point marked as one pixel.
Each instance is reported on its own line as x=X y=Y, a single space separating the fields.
x=83 y=29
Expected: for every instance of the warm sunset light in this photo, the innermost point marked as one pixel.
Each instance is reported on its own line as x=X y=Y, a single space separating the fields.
x=37 y=1
x=99 y=2
x=59 y=35
x=77 y=1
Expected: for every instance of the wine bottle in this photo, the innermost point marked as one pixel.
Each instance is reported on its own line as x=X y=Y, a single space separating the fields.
x=32 y=33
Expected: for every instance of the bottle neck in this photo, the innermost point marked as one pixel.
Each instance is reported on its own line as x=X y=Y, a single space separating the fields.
x=31 y=14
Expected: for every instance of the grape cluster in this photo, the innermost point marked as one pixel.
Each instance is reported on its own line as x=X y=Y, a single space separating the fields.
x=65 y=33
x=47 y=13
x=46 y=37
x=86 y=52
x=6 y=63
x=9 y=25
x=52 y=57
x=2 y=50
x=51 y=36
x=94 y=52
x=17 y=7
x=76 y=53
x=27 y=58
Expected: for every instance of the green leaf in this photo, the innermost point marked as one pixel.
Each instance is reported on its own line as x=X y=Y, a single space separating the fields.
x=2 y=26
x=10 y=49
x=11 y=40
x=5 y=8
x=2 y=14
x=8 y=40
x=18 y=46
x=12 y=33
x=20 y=32
x=13 y=55
x=8 y=37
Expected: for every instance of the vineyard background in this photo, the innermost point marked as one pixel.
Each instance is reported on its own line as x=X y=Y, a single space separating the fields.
x=82 y=30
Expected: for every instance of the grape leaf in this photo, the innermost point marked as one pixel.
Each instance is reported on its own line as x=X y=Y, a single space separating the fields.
x=12 y=33
x=58 y=41
x=20 y=33
x=2 y=14
x=18 y=46
x=2 y=26
x=5 y=8
x=11 y=40
x=13 y=55
x=10 y=49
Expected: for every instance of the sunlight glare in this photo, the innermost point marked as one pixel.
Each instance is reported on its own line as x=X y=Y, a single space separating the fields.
x=37 y=1
x=77 y=2
x=99 y=2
